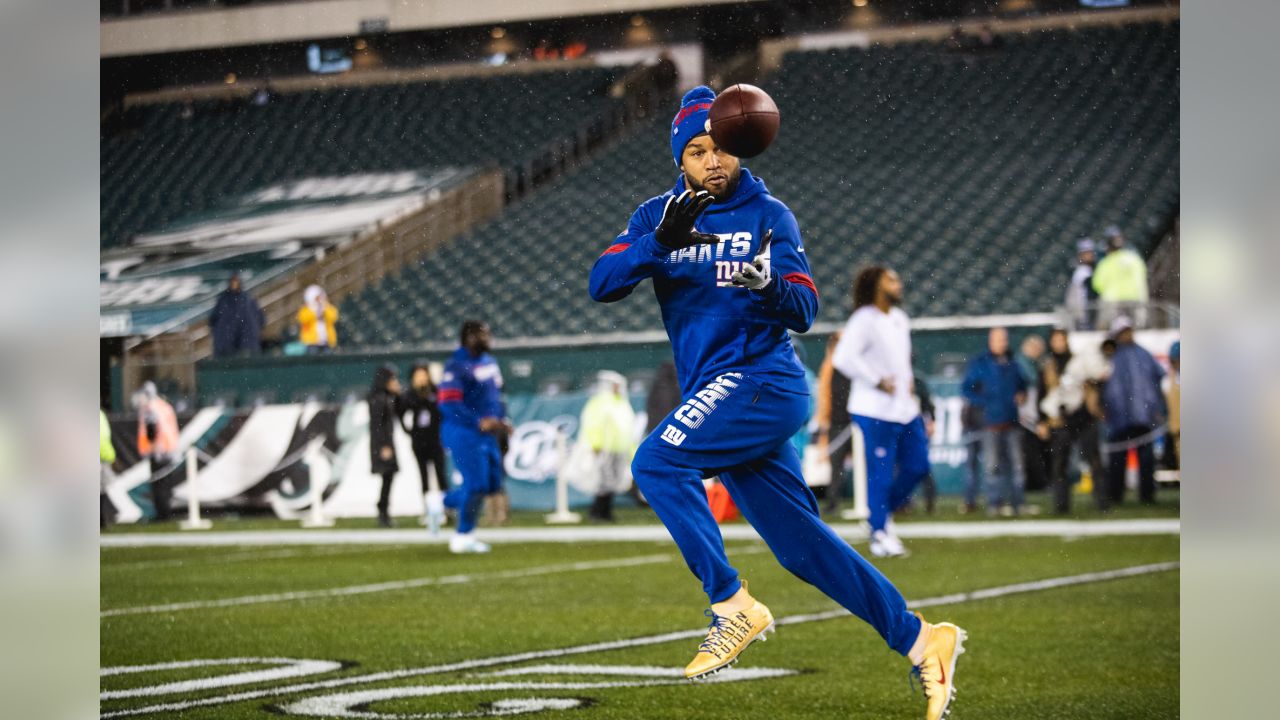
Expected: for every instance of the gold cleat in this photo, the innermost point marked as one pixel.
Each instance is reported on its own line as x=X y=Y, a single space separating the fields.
x=938 y=669
x=727 y=636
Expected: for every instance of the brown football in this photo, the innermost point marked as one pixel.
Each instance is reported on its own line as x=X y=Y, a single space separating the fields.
x=744 y=120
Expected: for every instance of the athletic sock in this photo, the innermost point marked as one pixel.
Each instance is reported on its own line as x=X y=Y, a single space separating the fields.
x=916 y=654
x=741 y=600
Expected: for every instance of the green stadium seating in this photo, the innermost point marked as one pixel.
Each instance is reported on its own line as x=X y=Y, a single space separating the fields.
x=166 y=167
x=972 y=174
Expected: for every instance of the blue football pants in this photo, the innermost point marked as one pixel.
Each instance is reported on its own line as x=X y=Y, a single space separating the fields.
x=738 y=428
x=891 y=446
x=477 y=458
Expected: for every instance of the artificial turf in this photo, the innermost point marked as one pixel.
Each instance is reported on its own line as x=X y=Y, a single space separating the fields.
x=1101 y=650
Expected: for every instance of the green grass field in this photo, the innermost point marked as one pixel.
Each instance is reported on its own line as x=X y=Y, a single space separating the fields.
x=1106 y=649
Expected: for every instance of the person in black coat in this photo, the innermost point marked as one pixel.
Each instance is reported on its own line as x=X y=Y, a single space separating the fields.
x=423 y=424
x=383 y=401
x=236 y=322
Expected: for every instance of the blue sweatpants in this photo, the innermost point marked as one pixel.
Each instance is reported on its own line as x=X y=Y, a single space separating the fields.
x=738 y=427
x=890 y=446
x=477 y=457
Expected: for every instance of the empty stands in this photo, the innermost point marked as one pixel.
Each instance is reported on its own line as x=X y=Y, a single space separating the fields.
x=972 y=173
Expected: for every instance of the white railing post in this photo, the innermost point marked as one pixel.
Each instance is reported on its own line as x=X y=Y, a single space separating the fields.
x=562 y=515
x=193 y=521
x=860 y=510
x=315 y=517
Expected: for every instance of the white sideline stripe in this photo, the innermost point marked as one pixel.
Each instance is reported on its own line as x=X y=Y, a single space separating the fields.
x=388 y=586
x=983 y=594
x=236 y=557
x=644 y=533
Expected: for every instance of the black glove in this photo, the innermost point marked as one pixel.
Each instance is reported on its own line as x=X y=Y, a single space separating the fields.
x=676 y=232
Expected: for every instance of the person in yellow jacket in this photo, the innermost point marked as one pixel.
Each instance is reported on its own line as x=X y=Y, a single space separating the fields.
x=609 y=428
x=106 y=456
x=316 y=319
x=1120 y=280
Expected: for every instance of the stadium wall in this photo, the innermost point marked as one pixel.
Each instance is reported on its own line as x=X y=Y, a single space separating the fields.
x=529 y=368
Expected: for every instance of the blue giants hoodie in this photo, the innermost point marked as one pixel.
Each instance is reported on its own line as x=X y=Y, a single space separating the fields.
x=715 y=327
x=471 y=389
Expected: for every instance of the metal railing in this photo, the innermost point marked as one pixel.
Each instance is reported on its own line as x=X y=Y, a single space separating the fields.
x=1150 y=315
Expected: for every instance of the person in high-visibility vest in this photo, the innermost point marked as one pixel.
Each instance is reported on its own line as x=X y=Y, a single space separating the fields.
x=1121 y=281
x=106 y=456
x=157 y=441
x=609 y=426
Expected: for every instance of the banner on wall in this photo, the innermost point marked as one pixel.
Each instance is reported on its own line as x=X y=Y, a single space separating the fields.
x=267 y=458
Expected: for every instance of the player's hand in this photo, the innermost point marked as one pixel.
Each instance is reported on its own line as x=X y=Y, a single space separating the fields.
x=755 y=276
x=676 y=232
x=385 y=453
x=887 y=385
x=490 y=424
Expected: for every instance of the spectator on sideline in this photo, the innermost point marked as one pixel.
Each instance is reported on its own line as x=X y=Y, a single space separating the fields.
x=994 y=383
x=1120 y=279
x=1029 y=357
x=608 y=426
x=236 y=322
x=1052 y=429
x=875 y=353
x=1075 y=398
x=1081 y=300
x=927 y=412
x=834 y=434
x=106 y=456
x=972 y=428
x=1173 y=398
x=316 y=320
x=158 y=442
x=382 y=426
x=419 y=401
x=1135 y=407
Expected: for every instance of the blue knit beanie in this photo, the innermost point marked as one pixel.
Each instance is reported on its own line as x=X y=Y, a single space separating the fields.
x=691 y=121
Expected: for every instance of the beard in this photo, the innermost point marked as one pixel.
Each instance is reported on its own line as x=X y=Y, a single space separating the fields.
x=730 y=187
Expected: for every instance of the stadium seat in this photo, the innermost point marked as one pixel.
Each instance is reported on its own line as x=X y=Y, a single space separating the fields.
x=971 y=174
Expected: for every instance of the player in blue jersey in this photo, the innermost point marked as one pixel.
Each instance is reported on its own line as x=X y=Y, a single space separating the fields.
x=730 y=273
x=473 y=417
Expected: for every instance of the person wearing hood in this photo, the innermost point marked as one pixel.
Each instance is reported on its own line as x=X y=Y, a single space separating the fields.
x=316 y=319
x=383 y=400
x=236 y=322
x=729 y=270
x=1134 y=407
x=423 y=426
x=158 y=442
x=1081 y=298
x=608 y=426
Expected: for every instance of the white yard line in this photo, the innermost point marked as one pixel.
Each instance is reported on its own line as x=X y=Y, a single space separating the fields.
x=982 y=594
x=254 y=556
x=641 y=533
x=389 y=586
